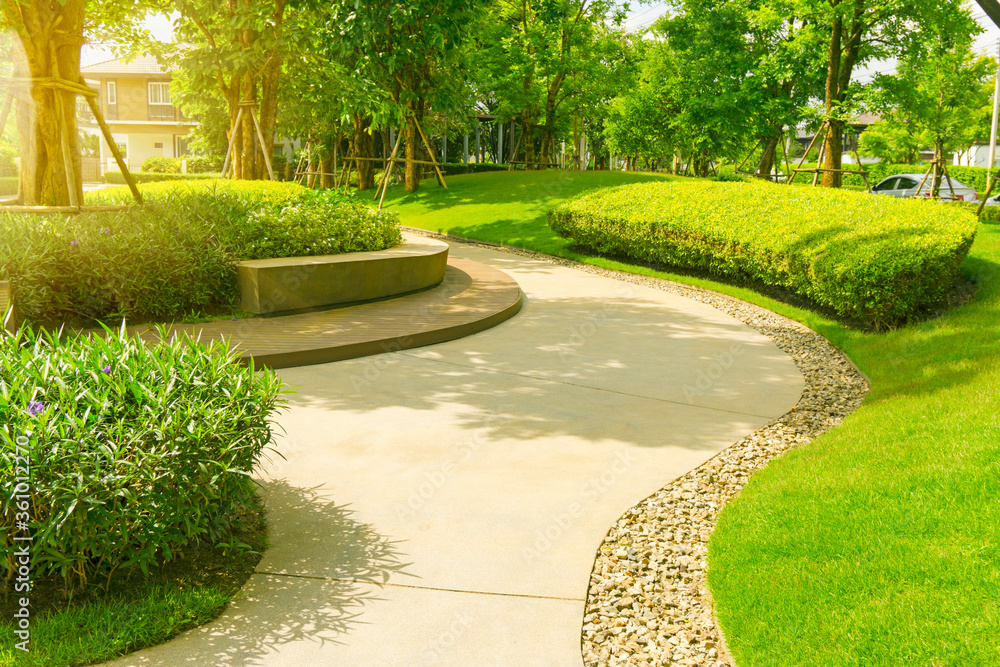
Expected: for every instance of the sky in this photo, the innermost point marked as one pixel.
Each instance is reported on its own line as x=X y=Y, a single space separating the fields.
x=640 y=16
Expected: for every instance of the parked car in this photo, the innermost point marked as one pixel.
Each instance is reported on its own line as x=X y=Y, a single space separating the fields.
x=993 y=201
x=905 y=185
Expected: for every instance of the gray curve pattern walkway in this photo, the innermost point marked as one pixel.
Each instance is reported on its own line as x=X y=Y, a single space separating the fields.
x=443 y=505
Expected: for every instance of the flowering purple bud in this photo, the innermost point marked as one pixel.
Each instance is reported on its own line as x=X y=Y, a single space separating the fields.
x=74 y=243
x=34 y=407
x=105 y=230
x=107 y=369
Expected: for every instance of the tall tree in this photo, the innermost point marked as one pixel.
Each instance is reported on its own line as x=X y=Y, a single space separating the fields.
x=537 y=54
x=411 y=50
x=938 y=88
x=51 y=34
x=234 y=48
x=860 y=31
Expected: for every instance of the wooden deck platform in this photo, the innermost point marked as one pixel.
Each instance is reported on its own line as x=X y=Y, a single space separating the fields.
x=471 y=298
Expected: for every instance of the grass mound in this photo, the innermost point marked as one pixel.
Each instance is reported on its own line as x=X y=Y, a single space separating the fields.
x=874 y=259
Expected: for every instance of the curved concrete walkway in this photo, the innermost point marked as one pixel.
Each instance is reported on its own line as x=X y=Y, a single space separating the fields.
x=443 y=505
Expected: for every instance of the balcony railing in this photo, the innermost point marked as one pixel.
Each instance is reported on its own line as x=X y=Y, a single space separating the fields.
x=161 y=112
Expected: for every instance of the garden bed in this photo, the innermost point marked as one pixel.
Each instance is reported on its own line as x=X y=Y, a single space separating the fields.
x=174 y=257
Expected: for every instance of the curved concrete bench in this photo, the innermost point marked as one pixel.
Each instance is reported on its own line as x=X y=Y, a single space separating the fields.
x=298 y=283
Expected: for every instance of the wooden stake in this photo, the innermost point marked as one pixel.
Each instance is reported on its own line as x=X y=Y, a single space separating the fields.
x=430 y=152
x=232 y=141
x=260 y=138
x=806 y=153
x=96 y=110
x=389 y=170
x=513 y=155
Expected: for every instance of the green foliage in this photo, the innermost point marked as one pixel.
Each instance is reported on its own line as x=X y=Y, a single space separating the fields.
x=8 y=185
x=730 y=178
x=135 y=451
x=205 y=164
x=8 y=167
x=326 y=223
x=176 y=254
x=157 y=164
x=939 y=93
x=875 y=259
x=453 y=169
x=990 y=214
x=114 y=176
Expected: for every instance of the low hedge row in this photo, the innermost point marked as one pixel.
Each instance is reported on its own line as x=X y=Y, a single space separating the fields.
x=118 y=454
x=875 y=259
x=8 y=185
x=115 y=177
x=175 y=255
x=453 y=169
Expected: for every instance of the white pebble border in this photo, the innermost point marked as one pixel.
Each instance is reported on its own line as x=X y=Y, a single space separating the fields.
x=648 y=601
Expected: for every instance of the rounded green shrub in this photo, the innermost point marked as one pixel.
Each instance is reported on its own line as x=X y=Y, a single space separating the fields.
x=158 y=164
x=874 y=259
x=117 y=453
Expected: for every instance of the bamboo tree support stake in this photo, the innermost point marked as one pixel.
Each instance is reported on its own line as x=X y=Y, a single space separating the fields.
x=752 y=151
x=806 y=153
x=857 y=159
x=819 y=160
x=260 y=137
x=514 y=153
x=96 y=110
x=389 y=170
x=430 y=152
x=989 y=191
x=232 y=142
x=784 y=149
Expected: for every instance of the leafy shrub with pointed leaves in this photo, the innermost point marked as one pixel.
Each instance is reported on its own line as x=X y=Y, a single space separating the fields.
x=874 y=259
x=135 y=451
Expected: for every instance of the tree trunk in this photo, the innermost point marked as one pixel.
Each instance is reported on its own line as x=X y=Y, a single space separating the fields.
x=51 y=34
x=938 y=162
x=327 y=165
x=362 y=147
x=833 y=153
x=528 y=141
x=843 y=54
x=413 y=142
x=769 y=155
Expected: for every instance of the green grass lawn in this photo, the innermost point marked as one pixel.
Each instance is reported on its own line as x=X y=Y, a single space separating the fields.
x=877 y=544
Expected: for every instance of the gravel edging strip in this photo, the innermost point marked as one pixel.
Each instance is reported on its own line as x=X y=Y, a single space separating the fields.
x=648 y=601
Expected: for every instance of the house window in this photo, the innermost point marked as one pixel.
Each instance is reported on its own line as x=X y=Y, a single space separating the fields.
x=112 y=93
x=159 y=93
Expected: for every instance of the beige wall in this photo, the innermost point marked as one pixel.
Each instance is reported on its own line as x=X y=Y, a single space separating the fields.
x=132 y=97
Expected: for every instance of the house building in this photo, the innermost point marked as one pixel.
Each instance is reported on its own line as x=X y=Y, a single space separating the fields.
x=976 y=155
x=134 y=98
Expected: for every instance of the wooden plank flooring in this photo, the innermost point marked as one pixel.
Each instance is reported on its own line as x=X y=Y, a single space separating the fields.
x=471 y=298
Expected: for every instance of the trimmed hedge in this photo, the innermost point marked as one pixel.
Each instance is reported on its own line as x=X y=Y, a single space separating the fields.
x=176 y=255
x=875 y=259
x=115 y=177
x=134 y=451
x=161 y=165
x=453 y=169
x=8 y=185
